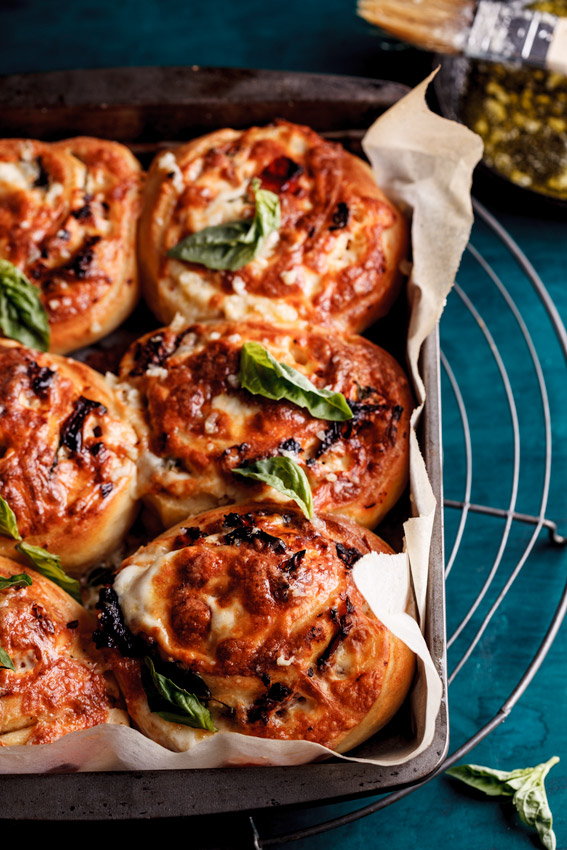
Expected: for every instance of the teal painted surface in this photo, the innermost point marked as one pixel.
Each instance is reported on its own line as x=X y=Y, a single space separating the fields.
x=301 y=35
x=326 y=36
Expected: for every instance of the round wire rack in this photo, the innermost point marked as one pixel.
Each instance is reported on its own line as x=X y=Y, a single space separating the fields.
x=498 y=448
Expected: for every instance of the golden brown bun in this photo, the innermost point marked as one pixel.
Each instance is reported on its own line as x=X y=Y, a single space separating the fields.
x=62 y=683
x=199 y=425
x=68 y=217
x=265 y=609
x=335 y=263
x=68 y=457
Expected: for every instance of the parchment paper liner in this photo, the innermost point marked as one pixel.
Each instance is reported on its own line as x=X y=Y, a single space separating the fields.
x=424 y=163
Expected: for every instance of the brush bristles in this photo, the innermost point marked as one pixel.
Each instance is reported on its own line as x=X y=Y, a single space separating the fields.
x=439 y=25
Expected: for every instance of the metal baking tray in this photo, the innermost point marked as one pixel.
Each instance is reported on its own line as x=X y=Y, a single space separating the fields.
x=148 y=108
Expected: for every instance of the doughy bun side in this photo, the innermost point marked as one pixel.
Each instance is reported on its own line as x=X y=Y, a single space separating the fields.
x=261 y=603
x=68 y=457
x=334 y=261
x=61 y=682
x=68 y=220
x=199 y=425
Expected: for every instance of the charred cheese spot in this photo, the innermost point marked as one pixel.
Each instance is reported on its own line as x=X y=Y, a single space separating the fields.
x=61 y=683
x=67 y=456
x=68 y=215
x=334 y=260
x=199 y=424
x=309 y=663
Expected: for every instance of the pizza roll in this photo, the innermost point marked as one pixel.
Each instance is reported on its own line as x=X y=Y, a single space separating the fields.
x=67 y=457
x=254 y=610
x=334 y=259
x=68 y=219
x=199 y=424
x=61 y=683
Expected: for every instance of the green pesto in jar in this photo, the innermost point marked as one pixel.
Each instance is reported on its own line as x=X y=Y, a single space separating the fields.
x=521 y=115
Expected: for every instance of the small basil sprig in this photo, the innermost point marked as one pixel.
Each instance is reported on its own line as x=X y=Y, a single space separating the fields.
x=262 y=374
x=174 y=704
x=50 y=566
x=235 y=244
x=6 y=661
x=8 y=521
x=45 y=563
x=284 y=475
x=525 y=786
x=22 y=315
x=20 y=580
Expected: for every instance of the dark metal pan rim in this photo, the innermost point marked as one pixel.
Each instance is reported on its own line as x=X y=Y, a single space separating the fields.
x=342 y=106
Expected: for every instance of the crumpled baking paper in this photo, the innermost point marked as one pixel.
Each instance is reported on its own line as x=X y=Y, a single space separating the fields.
x=424 y=163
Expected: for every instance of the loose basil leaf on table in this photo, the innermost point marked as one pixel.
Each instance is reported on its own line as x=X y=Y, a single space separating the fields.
x=20 y=580
x=262 y=374
x=22 y=315
x=5 y=660
x=8 y=521
x=285 y=476
x=531 y=802
x=235 y=244
x=50 y=566
x=174 y=704
x=525 y=786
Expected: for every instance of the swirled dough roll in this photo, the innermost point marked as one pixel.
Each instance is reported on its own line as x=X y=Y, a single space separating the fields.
x=333 y=261
x=199 y=425
x=67 y=457
x=261 y=604
x=68 y=218
x=61 y=682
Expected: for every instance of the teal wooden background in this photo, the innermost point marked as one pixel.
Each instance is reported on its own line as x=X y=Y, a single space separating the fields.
x=326 y=36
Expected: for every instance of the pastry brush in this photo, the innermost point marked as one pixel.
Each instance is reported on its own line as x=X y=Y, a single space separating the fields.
x=510 y=33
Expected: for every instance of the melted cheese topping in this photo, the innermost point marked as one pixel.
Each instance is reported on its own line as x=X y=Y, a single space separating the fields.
x=61 y=683
x=136 y=595
x=202 y=424
x=274 y=624
x=13 y=176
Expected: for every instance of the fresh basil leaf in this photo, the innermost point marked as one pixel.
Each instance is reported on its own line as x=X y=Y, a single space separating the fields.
x=50 y=566
x=8 y=521
x=267 y=215
x=235 y=244
x=6 y=661
x=284 y=475
x=187 y=709
x=486 y=779
x=525 y=786
x=531 y=802
x=262 y=374
x=22 y=315
x=21 y=580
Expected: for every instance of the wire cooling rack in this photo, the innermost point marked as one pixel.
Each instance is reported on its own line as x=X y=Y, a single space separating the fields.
x=497 y=426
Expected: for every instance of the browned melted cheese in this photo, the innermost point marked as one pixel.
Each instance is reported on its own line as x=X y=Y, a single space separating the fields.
x=203 y=425
x=262 y=604
x=65 y=453
x=68 y=214
x=61 y=683
x=335 y=258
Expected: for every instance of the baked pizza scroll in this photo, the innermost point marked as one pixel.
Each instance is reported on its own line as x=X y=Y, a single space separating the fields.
x=58 y=682
x=252 y=613
x=67 y=457
x=68 y=219
x=199 y=424
x=331 y=255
